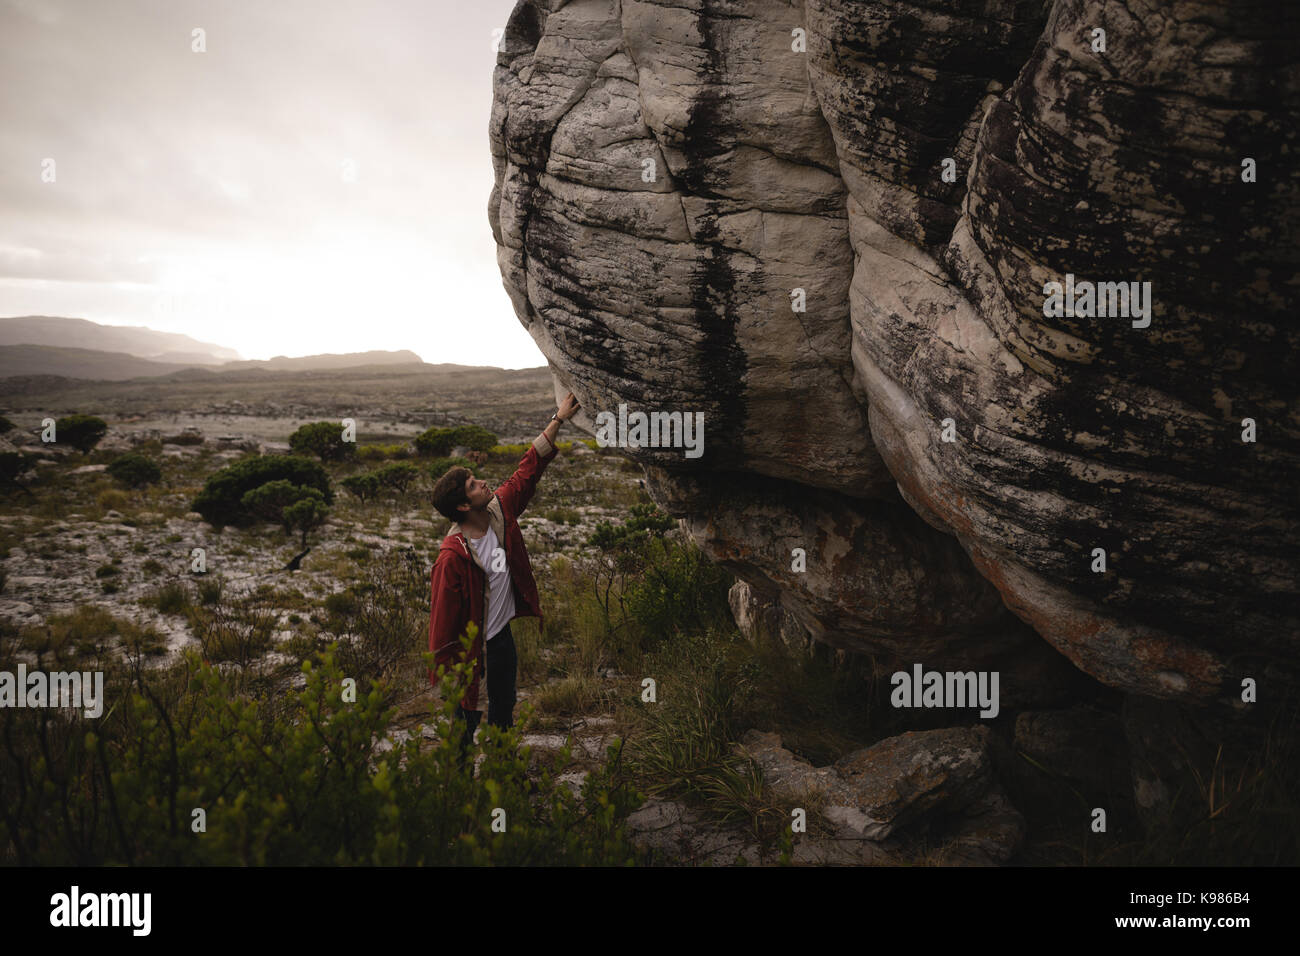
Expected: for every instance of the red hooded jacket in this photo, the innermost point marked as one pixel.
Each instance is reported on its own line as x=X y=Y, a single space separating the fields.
x=459 y=580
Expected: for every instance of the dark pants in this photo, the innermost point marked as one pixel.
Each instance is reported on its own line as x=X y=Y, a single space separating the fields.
x=502 y=665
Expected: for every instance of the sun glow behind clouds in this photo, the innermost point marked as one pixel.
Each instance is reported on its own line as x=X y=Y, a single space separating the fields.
x=210 y=193
x=347 y=294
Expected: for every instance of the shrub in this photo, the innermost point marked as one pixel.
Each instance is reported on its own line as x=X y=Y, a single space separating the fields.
x=6 y=425
x=82 y=432
x=86 y=635
x=210 y=591
x=112 y=499
x=434 y=441
x=473 y=437
x=306 y=515
x=172 y=598
x=293 y=507
x=221 y=500
x=382 y=452
x=399 y=476
x=364 y=486
x=439 y=442
x=440 y=466
x=135 y=470
x=237 y=632
x=268 y=501
x=627 y=553
x=323 y=439
x=383 y=619
x=301 y=783
x=681 y=590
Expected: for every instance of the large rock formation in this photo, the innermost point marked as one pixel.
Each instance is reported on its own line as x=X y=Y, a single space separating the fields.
x=741 y=209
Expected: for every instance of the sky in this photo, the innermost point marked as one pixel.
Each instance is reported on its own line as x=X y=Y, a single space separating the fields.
x=315 y=180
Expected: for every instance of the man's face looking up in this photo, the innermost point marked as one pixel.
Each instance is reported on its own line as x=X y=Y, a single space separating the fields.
x=478 y=493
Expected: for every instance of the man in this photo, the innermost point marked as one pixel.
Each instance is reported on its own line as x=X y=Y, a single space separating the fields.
x=483 y=575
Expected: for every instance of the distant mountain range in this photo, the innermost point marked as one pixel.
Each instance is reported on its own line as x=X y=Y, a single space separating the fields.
x=132 y=339
x=77 y=348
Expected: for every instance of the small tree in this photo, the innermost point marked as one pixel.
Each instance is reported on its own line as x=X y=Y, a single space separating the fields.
x=221 y=500
x=399 y=476
x=322 y=439
x=473 y=437
x=623 y=554
x=306 y=514
x=364 y=486
x=82 y=432
x=435 y=442
x=135 y=470
x=272 y=501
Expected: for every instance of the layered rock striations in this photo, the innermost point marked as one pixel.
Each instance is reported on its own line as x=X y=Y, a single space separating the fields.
x=741 y=209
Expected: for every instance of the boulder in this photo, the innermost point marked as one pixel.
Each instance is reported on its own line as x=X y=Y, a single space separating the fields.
x=841 y=254
x=933 y=789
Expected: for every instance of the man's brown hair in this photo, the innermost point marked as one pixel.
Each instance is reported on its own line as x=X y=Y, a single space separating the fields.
x=449 y=493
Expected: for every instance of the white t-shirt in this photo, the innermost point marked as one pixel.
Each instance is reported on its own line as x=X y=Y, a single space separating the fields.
x=501 y=596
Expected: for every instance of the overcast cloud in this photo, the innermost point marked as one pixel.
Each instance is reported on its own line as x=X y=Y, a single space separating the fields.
x=207 y=193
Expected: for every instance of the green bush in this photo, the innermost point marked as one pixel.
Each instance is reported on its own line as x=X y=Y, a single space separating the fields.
x=134 y=470
x=287 y=778
x=382 y=619
x=383 y=452
x=473 y=437
x=171 y=598
x=681 y=590
x=210 y=590
x=364 y=486
x=434 y=441
x=236 y=632
x=221 y=500
x=306 y=515
x=269 y=501
x=659 y=587
x=440 y=466
x=439 y=442
x=293 y=507
x=322 y=439
x=82 y=432
x=399 y=476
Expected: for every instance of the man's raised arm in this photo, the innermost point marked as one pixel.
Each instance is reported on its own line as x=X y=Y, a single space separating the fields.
x=517 y=490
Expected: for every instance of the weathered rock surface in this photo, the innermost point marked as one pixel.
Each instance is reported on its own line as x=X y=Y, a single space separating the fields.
x=936 y=784
x=672 y=177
